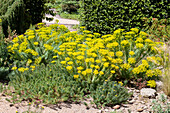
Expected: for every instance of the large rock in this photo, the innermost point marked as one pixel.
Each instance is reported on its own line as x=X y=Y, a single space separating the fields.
x=148 y=92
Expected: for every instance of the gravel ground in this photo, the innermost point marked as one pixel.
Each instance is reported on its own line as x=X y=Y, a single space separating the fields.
x=136 y=104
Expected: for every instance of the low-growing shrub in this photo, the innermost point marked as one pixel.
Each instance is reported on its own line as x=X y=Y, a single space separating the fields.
x=91 y=57
x=161 y=106
x=110 y=93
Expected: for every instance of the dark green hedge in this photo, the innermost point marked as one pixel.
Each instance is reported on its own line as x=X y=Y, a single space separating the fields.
x=19 y=14
x=104 y=16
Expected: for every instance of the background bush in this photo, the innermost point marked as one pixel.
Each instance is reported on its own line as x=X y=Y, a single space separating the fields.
x=19 y=14
x=5 y=61
x=105 y=16
x=70 y=5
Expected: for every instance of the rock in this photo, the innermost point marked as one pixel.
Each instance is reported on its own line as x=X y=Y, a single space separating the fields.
x=159 y=85
x=148 y=92
x=131 y=102
x=125 y=105
x=140 y=110
x=142 y=102
x=145 y=107
x=137 y=91
x=100 y=111
x=116 y=107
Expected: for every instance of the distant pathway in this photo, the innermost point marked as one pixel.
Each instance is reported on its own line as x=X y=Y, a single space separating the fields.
x=67 y=22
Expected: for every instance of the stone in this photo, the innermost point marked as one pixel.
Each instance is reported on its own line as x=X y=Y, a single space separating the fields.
x=159 y=85
x=131 y=102
x=142 y=102
x=100 y=111
x=140 y=110
x=137 y=91
x=145 y=107
x=116 y=107
x=148 y=92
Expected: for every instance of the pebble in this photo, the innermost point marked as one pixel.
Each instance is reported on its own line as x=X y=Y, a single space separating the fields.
x=116 y=107
x=137 y=91
x=140 y=110
x=100 y=111
x=131 y=102
x=142 y=102
x=145 y=107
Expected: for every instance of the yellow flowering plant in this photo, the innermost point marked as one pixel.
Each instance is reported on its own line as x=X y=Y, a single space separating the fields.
x=118 y=56
x=36 y=46
x=90 y=57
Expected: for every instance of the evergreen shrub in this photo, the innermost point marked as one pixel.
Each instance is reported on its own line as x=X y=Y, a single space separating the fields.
x=19 y=14
x=105 y=16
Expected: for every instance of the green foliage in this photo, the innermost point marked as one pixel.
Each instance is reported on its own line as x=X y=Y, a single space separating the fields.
x=19 y=14
x=161 y=106
x=105 y=16
x=91 y=57
x=159 y=30
x=110 y=93
x=74 y=16
x=47 y=84
x=13 y=15
x=51 y=85
x=36 y=46
x=70 y=5
x=5 y=61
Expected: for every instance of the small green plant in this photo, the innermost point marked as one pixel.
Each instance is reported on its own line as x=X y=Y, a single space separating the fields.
x=109 y=93
x=161 y=106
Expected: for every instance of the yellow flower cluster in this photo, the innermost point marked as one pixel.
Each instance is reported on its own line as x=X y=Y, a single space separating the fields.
x=151 y=83
x=89 y=56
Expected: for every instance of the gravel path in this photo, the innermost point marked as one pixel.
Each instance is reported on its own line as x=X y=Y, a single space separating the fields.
x=67 y=22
